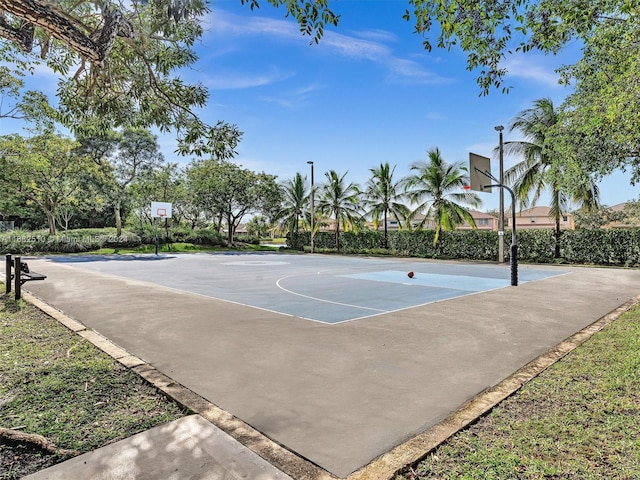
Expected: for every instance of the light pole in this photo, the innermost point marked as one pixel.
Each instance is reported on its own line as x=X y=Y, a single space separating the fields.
x=313 y=214
x=499 y=129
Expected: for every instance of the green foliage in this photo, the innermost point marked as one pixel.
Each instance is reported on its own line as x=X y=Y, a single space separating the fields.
x=365 y=240
x=72 y=241
x=435 y=186
x=592 y=247
x=228 y=191
x=599 y=128
x=339 y=201
x=44 y=171
x=198 y=236
x=295 y=202
x=602 y=247
x=248 y=239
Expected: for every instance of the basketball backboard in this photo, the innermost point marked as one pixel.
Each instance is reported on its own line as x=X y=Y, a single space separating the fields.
x=478 y=180
x=160 y=210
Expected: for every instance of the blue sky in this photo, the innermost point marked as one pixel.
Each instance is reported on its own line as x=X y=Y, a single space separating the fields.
x=368 y=93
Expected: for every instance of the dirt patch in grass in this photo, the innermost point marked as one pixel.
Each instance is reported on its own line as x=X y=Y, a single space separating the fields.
x=59 y=386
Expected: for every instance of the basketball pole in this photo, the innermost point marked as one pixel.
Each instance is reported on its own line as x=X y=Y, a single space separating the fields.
x=155 y=223
x=313 y=213
x=499 y=129
x=513 y=257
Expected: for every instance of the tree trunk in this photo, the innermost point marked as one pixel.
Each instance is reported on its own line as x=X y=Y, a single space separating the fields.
x=51 y=220
x=58 y=26
x=229 y=231
x=386 y=241
x=558 y=232
x=116 y=211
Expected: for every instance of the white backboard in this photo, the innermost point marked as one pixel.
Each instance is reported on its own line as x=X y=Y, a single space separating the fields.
x=160 y=210
x=479 y=181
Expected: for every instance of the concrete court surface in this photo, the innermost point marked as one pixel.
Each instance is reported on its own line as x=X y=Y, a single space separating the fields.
x=337 y=394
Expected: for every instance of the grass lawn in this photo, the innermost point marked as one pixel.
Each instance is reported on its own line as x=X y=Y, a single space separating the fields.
x=579 y=419
x=56 y=384
x=177 y=248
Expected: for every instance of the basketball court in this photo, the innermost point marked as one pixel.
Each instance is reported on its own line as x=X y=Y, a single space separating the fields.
x=319 y=288
x=339 y=359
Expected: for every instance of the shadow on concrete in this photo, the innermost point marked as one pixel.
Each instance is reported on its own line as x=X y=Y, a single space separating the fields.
x=191 y=447
x=107 y=258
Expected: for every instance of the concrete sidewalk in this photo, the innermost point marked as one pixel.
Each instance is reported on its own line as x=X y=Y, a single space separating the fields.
x=188 y=448
x=339 y=397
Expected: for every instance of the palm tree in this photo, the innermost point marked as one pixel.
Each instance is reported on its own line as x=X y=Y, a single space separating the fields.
x=382 y=197
x=296 y=197
x=538 y=171
x=437 y=187
x=339 y=200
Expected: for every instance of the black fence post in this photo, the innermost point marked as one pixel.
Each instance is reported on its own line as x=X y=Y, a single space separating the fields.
x=16 y=276
x=7 y=274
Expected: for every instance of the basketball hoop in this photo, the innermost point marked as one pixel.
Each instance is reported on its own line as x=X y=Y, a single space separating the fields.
x=467 y=187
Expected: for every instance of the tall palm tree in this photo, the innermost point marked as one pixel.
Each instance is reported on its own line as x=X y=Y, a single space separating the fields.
x=296 y=196
x=339 y=200
x=437 y=187
x=383 y=197
x=538 y=171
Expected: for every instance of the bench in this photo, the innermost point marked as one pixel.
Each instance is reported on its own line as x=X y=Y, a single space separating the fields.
x=19 y=272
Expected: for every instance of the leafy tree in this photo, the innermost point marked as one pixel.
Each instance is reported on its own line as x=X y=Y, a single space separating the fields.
x=598 y=131
x=490 y=31
x=137 y=153
x=600 y=124
x=20 y=105
x=595 y=218
x=340 y=201
x=436 y=188
x=538 y=171
x=383 y=197
x=118 y=61
x=295 y=200
x=160 y=184
x=230 y=192
x=88 y=206
x=43 y=171
x=258 y=226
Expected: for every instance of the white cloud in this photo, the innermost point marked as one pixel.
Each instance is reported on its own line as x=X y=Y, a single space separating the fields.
x=293 y=100
x=234 y=80
x=534 y=68
x=434 y=116
x=224 y=23
x=377 y=35
x=368 y=45
x=408 y=71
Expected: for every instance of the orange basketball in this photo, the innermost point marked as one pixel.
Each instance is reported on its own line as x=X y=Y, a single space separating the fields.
x=410 y=274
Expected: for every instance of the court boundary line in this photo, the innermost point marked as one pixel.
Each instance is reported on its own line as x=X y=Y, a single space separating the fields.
x=321 y=299
x=323 y=322
x=471 y=292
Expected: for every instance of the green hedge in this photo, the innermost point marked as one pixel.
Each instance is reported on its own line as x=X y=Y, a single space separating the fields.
x=596 y=247
x=72 y=241
x=601 y=247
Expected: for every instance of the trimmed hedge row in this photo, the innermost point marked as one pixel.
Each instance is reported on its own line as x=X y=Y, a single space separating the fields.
x=73 y=241
x=599 y=247
x=86 y=240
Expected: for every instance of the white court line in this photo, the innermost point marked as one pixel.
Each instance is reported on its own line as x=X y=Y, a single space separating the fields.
x=322 y=299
